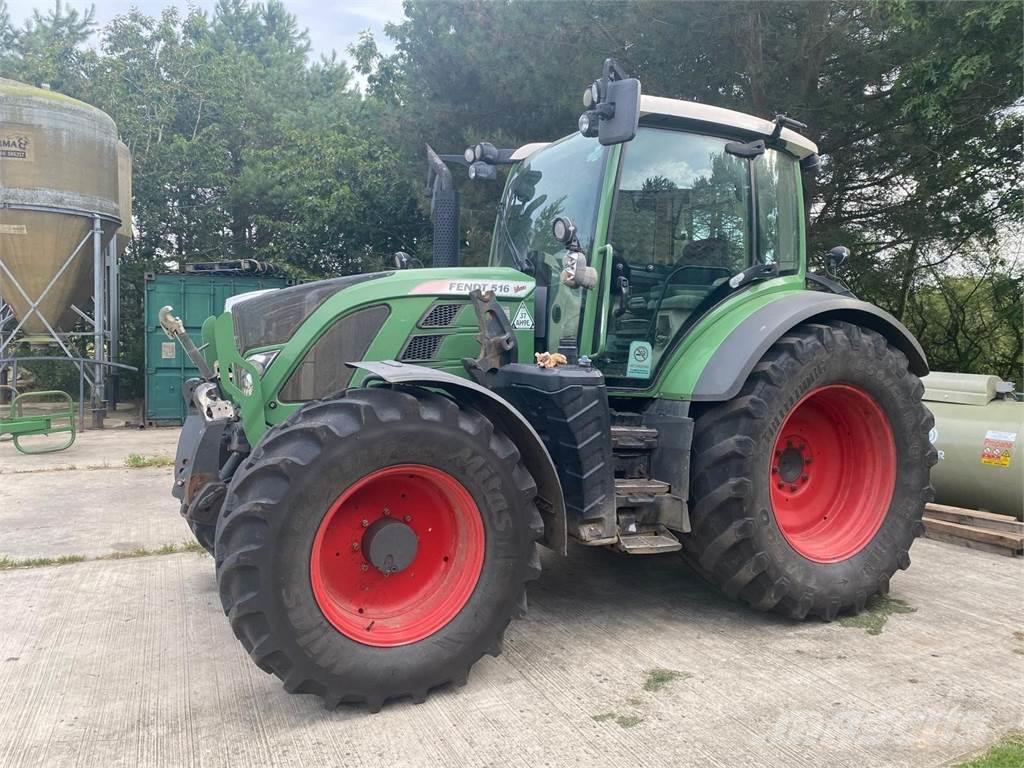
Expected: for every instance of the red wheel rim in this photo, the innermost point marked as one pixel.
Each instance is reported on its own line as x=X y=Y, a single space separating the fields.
x=833 y=473
x=351 y=582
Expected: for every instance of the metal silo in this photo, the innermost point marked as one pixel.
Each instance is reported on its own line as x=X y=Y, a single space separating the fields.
x=64 y=177
x=58 y=184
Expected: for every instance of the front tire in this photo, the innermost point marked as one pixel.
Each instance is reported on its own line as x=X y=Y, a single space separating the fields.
x=808 y=488
x=376 y=545
x=204 y=534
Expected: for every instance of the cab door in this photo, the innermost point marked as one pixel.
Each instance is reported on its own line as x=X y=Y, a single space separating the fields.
x=686 y=217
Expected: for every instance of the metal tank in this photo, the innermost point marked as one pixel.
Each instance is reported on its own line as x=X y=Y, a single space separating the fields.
x=59 y=204
x=124 y=196
x=979 y=430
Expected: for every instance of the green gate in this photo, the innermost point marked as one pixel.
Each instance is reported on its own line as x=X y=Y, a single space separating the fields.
x=194 y=298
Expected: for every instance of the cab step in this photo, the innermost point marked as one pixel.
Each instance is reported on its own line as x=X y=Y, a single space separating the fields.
x=653 y=540
x=638 y=486
x=630 y=438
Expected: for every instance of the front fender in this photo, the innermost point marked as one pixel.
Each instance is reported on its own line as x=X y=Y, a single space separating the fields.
x=531 y=448
x=736 y=357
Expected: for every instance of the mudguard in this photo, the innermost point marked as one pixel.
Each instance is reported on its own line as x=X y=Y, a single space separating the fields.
x=732 y=363
x=551 y=502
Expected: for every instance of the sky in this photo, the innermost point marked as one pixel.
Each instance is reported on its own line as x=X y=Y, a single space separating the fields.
x=332 y=24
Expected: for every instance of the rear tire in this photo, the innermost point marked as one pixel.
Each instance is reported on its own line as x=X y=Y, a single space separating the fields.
x=297 y=575
x=808 y=488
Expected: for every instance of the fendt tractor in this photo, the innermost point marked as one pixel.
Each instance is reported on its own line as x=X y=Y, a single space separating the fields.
x=646 y=365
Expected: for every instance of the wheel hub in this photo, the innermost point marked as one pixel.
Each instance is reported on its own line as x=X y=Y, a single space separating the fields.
x=833 y=472
x=790 y=464
x=397 y=555
x=389 y=545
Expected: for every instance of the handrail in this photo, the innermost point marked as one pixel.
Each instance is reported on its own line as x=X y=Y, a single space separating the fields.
x=59 y=358
x=80 y=362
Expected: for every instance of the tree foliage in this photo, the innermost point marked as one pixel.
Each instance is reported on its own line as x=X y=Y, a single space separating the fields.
x=247 y=146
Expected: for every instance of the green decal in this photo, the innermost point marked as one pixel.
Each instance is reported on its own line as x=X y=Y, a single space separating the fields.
x=640 y=358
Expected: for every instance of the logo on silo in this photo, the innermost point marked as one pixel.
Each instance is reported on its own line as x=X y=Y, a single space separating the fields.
x=15 y=147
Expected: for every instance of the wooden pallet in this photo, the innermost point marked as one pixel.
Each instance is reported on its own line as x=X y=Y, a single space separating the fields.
x=975 y=529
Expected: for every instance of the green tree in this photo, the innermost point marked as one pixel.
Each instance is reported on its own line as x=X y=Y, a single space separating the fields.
x=911 y=104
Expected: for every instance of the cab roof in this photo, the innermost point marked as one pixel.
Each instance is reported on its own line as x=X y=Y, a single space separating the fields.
x=708 y=115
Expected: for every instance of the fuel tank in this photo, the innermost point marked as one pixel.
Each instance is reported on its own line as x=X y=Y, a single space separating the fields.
x=979 y=427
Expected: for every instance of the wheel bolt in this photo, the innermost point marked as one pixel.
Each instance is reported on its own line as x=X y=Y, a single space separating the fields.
x=781 y=484
x=355 y=545
x=408 y=518
x=808 y=460
x=365 y=567
x=789 y=443
x=387 y=512
x=792 y=487
x=775 y=470
x=804 y=478
x=365 y=523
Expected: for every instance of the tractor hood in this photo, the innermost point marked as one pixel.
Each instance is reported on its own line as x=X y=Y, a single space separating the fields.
x=270 y=318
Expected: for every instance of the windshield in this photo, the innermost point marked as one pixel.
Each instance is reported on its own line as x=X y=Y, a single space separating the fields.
x=563 y=179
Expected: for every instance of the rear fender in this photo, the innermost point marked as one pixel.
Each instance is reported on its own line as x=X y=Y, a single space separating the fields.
x=736 y=357
x=551 y=502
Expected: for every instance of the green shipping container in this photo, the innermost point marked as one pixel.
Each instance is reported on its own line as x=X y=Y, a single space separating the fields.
x=194 y=298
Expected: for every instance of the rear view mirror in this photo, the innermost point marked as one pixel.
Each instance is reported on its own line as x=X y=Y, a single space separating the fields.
x=624 y=96
x=613 y=106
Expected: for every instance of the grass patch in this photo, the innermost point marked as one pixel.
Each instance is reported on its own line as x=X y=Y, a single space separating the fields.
x=659 y=678
x=877 y=613
x=10 y=563
x=138 y=461
x=7 y=563
x=623 y=721
x=1008 y=753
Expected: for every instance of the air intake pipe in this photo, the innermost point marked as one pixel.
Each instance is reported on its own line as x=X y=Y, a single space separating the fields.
x=444 y=211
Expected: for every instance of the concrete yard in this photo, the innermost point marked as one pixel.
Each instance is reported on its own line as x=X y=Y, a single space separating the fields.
x=620 y=662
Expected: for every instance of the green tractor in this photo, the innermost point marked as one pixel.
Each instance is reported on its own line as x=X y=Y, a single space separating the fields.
x=645 y=365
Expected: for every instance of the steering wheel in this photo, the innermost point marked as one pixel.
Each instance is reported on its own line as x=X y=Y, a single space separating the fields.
x=668 y=281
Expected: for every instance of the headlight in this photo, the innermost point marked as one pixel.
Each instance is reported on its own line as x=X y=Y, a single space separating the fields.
x=260 y=361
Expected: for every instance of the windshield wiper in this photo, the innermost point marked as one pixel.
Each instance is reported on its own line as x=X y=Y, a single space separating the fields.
x=522 y=262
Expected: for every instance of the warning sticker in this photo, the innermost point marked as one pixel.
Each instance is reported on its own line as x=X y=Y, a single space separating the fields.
x=523 y=321
x=640 y=358
x=168 y=349
x=997 y=450
x=13 y=229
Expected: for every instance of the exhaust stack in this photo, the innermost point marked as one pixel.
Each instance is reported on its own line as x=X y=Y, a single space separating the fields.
x=444 y=211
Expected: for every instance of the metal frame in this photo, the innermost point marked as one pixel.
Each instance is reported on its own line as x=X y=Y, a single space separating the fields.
x=82 y=363
x=105 y=317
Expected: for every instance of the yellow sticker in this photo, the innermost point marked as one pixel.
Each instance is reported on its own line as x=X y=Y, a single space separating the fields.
x=997 y=450
x=13 y=229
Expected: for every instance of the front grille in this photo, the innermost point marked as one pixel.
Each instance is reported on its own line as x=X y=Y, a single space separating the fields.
x=440 y=315
x=422 y=348
x=323 y=370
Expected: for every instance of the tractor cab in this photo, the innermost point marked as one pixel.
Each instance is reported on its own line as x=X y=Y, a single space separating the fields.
x=673 y=221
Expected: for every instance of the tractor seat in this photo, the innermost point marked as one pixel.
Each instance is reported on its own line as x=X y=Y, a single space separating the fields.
x=685 y=300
